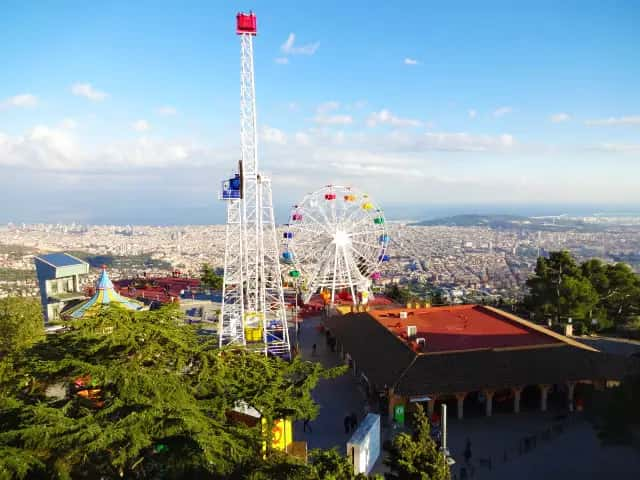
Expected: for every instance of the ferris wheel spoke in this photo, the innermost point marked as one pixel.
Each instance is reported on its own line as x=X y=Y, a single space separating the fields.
x=323 y=226
x=374 y=247
x=376 y=231
x=321 y=266
x=357 y=210
x=364 y=256
x=368 y=219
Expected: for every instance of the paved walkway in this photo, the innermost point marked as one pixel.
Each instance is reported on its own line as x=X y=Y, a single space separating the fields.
x=337 y=397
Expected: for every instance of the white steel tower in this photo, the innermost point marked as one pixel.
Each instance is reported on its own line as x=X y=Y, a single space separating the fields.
x=253 y=310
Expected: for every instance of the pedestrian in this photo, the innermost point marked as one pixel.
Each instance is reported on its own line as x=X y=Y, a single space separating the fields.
x=313 y=350
x=353 y=421
x=306 y=425
x=467 y=452
x=347 y=424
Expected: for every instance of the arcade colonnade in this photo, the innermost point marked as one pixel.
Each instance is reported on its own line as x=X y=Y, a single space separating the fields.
x=544 y=390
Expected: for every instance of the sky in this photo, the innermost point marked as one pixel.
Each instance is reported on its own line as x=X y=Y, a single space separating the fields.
x=128 y=112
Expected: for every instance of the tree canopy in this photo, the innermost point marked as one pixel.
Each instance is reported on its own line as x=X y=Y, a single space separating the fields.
x=142 y=395
x=21 y=323
x=210 y=278
x=561 y=289
x=416 y=456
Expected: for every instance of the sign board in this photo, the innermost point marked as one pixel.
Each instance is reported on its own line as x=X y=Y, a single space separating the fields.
x=363 y=448
x=398 y=414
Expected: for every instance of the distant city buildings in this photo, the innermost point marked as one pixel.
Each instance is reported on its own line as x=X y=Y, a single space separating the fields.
x=464 y=263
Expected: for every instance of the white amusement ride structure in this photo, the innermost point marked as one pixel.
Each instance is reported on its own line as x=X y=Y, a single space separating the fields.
x=336 y=241
x=253 y=312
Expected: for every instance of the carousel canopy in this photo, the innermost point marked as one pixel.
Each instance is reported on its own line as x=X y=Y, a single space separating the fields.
x=105 y=295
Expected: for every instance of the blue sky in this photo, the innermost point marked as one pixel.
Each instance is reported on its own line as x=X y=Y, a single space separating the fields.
x=129 y=111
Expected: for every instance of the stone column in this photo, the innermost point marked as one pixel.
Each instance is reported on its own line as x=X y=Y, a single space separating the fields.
x=517 y=391
x=571 y=386
x=489 y=403
x=544 y=390
x=460 y=397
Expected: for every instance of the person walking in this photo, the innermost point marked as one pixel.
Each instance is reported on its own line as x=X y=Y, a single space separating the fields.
x=353 y=421
x=313 y=350
x=305 y=426
x=347 y=424
x=467 y=452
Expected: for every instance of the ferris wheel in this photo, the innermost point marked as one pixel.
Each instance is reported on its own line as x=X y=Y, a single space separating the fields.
x=336 y=241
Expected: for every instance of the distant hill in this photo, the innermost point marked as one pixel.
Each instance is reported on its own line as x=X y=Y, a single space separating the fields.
x=494 y=221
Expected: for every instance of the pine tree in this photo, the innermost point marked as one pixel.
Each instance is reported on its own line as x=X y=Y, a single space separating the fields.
x=416 y=457
x=21 y=323
x=141 y=395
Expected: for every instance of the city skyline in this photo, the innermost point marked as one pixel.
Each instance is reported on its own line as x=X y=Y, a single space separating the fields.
x=130 y=112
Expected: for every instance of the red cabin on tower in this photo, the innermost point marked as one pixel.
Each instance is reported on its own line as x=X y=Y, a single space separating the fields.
x=246 y=23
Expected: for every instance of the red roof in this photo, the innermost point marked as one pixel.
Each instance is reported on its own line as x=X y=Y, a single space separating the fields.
x=163 y=290
x=459 y=328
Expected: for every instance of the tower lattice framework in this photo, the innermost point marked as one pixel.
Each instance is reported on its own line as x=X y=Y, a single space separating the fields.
x=253 y=309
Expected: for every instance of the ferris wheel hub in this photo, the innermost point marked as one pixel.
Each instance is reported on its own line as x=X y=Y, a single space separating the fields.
x=341 y=238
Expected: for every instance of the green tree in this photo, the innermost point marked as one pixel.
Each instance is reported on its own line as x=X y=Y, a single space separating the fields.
x=155 y=404
x=21 y=323
x=621 y=299
x=437 y=298
x=323 y=465
x=416 y=457
x=209 y=278
x=559 y=290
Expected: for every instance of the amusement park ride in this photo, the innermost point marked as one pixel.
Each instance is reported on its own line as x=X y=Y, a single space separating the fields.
x=335 y=241
x=253 y=310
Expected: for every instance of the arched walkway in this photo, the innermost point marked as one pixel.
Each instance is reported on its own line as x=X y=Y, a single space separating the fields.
x=583 y=396
x=503 y=401
x=530 y=398
x=473 y=405
x=452 y=405
x=558 y=397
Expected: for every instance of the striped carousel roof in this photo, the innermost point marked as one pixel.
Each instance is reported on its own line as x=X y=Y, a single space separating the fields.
x=105 y=295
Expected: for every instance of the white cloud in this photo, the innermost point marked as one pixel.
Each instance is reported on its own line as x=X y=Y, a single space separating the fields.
x=559 y=117
x=502 y=111
x=411 y=61
x=333 y=119
x=472 y=113
x=273 y=135
x=629 y=120
x=620 y=147
x=302 y=138
x=385 y=117
x=57 y=148
x=88 y=91
x=327 y=107
x=325 y=117
x=288 y=47
x=282 y=60
x=69 y=124
x=166 y=111
x=23 y=100
x=140 y=125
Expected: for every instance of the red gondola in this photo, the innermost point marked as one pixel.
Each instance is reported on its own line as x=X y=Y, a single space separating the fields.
x=246 y=23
